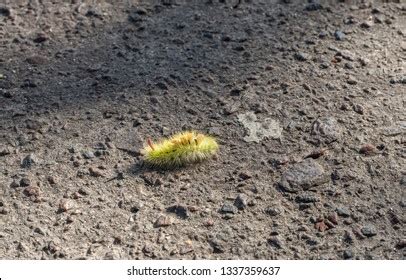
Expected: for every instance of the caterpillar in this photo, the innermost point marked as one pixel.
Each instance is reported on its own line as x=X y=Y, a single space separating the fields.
x=179 y=150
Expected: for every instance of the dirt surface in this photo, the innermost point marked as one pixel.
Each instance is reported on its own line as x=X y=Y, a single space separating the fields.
x=307 y=102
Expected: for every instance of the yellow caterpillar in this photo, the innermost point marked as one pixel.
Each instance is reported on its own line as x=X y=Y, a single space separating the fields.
x=179 y=150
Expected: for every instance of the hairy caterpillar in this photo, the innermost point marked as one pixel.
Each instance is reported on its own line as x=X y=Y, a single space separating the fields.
x=179 y=150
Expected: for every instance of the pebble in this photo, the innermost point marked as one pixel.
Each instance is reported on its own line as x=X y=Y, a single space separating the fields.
x=276 y=242
x=37 y=60
x=32 y=191
x=321 y=226
x=14 y=185
x=258 y=131
x=65 y=205
x=348 y=254
x=88 y=154
x=186 y=248
x=300 y=56
x=40 y=38
x=401 y=244
x=358 y=109
x=228 y=208
x=303 y=175
x=343 y=211
x=363 y=61
x=95 y=172
x=366 y=24
x=217 y=245
x=339 y=35
x=327 y=127
x=352 y=81
x=398 y=80
x=333 y=218
x=307 y=198
x=51 y=179
x=245 y=175
x=314 y=6
x=163 y=221
x=25 y=182
x=241 y=201
x=29 y=161
x=323 y=34
x=367 y=149
x=273 y=211
x=369 y=231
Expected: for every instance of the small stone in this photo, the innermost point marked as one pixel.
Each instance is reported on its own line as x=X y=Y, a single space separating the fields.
x=363 y=61
x=307 y=198
x=29 y=161
x=358 y=109
x=348 y=254
x=218 y=246
x=241 y=202
x=245 y=175
x=333 y=218
x=401 y=244
x=343 y=212
x=186 y=248
x=65 y=205
x=25 y=182
x=321 y=226
x=39 y=231
x=37 y=60
x=228 y=208
x=273 y=211
x=349 y=65
x=276 y=242
x=351 y=81
x=369 y=231
x=257 y=131
x=323 y=34
x=40 y=38
x=314 y=6
x=148 y=250
x=163 y=221
x=95 y=172
x=339 y=35
x=32 y=191
x=398 y=80
x=88 y=154
x=51 y=179
x=301 y=56
x=14 y=185
x=367 y=149
x=366 y=24
x=209 y=223
x=303 y=175
x=328 y=128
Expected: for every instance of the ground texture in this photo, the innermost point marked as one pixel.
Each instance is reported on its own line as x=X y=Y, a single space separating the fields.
x=307 y=102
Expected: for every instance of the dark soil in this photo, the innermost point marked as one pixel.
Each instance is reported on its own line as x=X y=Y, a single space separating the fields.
x=307 y=102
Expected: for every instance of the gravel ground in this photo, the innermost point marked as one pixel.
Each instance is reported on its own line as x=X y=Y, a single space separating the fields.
x=307 y=101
